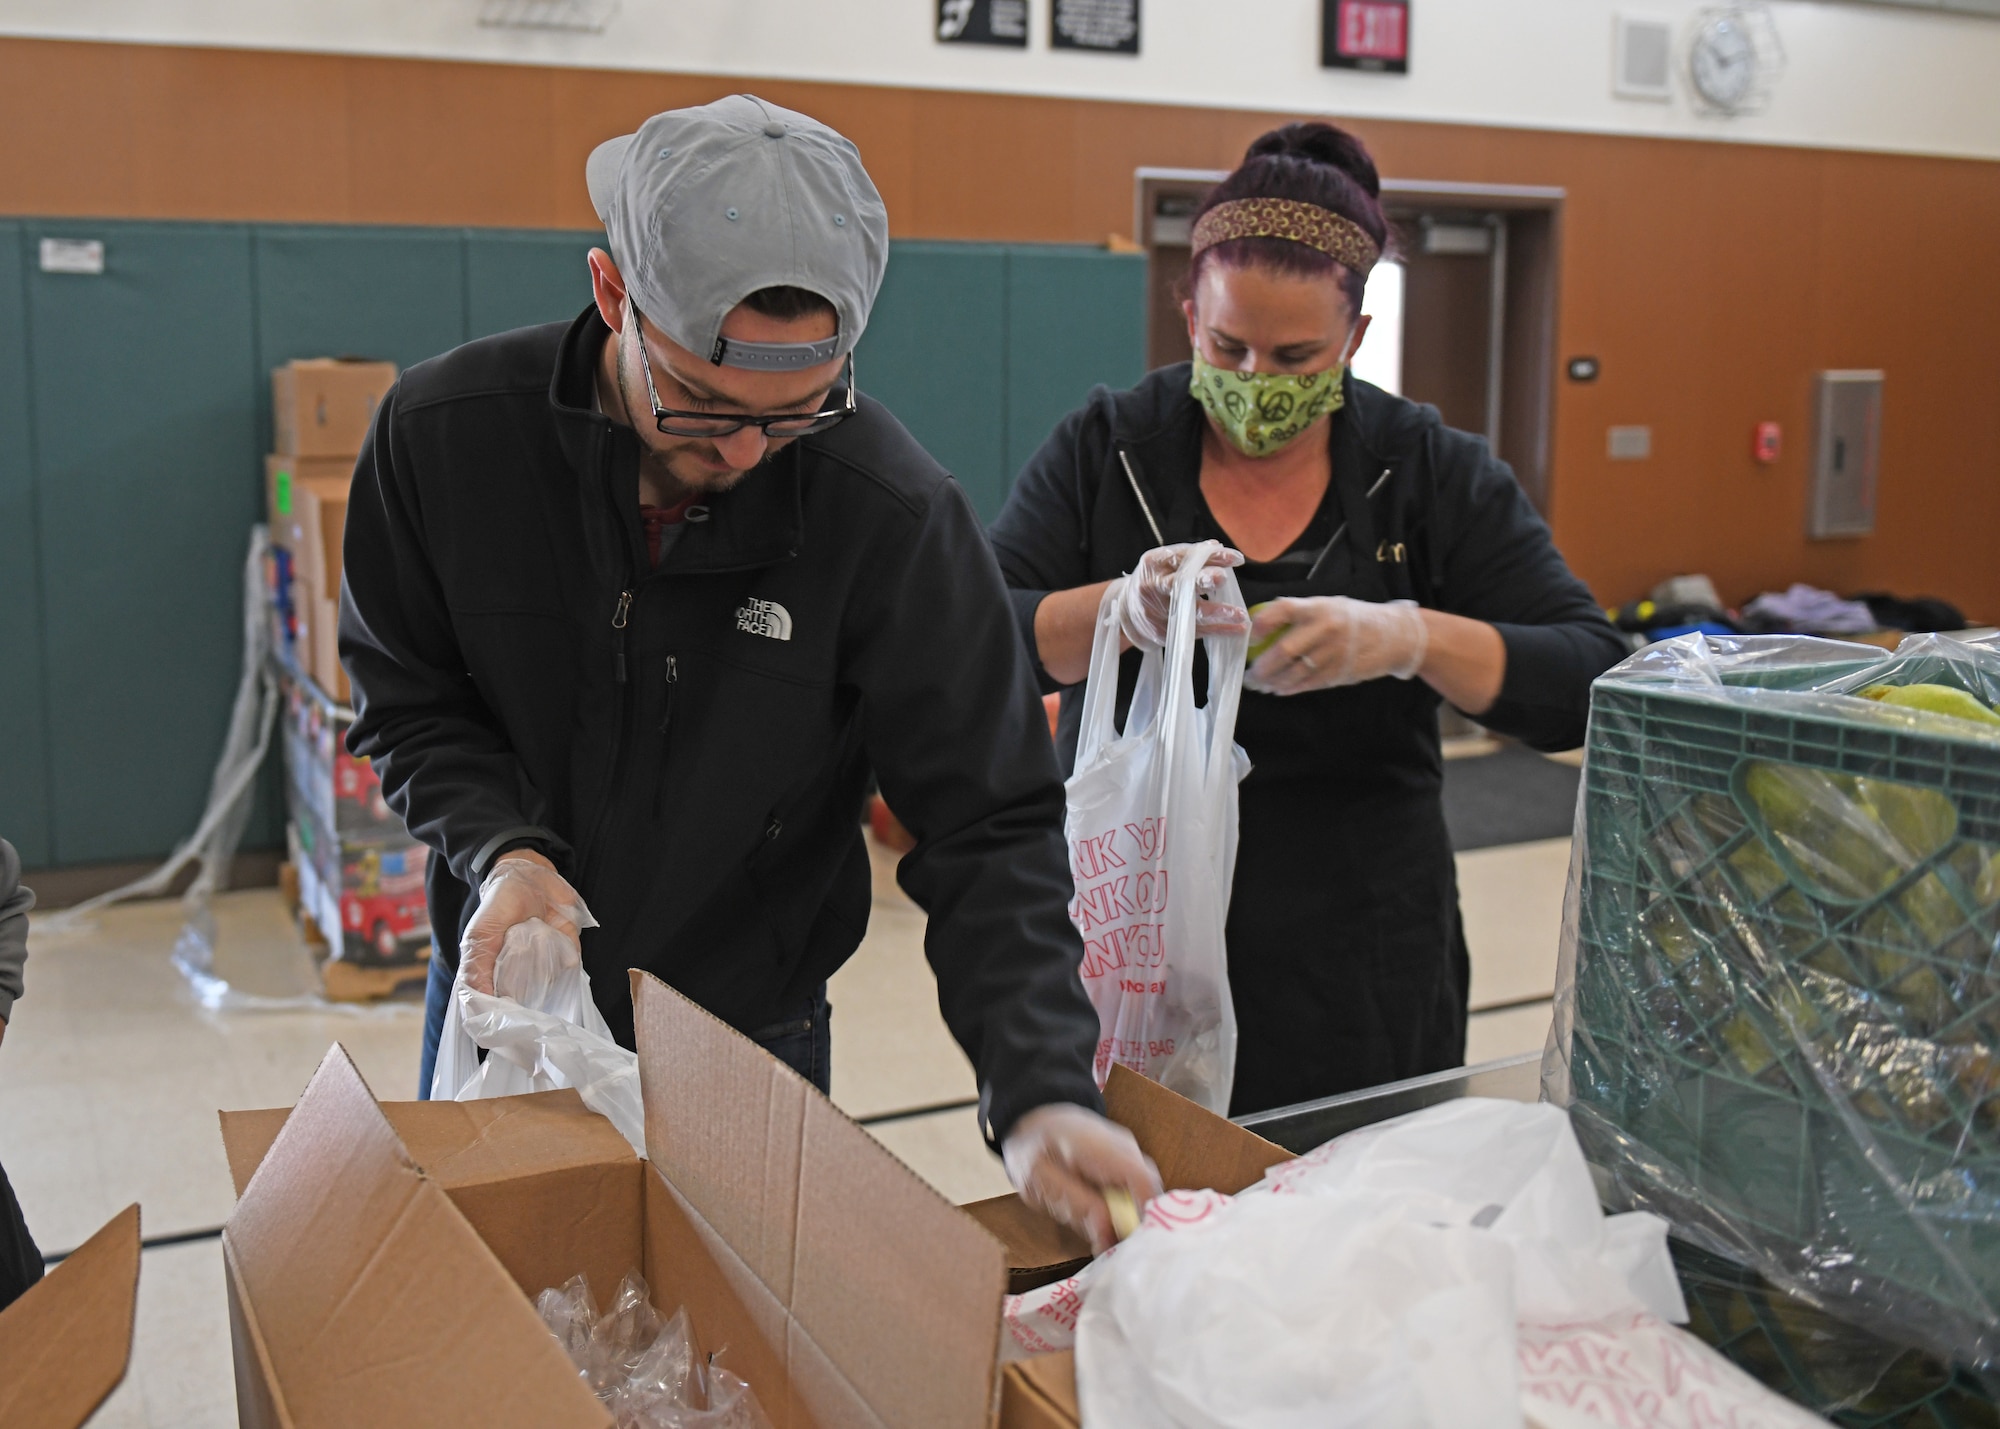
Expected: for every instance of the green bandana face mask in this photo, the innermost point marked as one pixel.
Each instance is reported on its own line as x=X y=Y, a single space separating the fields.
x=1260 y=412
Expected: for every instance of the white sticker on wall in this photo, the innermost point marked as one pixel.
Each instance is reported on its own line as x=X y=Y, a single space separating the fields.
x=1630 y=443
x=72 y=255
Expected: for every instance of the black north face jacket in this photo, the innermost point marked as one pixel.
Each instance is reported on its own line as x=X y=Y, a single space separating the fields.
x=691 y=743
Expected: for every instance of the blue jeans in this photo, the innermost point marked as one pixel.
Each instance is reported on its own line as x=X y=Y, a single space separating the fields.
x=437 y=997
x=804 y=1042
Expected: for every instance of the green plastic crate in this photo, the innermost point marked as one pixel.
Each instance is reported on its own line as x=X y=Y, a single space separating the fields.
x=1800 y=1072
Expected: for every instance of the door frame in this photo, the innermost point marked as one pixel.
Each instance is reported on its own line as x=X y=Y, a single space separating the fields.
x=1531 y=245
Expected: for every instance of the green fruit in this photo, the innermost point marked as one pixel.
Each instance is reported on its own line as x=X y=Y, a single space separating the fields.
x=1760 y=871
x=1934 y=699
x=1848 y=837
x=1263 y=643
x=1747 y=1045
x=1932 y=909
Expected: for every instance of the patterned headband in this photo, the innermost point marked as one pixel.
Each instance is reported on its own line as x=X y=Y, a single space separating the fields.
x=1338 y=237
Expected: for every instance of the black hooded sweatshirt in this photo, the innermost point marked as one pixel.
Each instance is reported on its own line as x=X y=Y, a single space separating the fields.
x=691 y=742
x=1347 y=959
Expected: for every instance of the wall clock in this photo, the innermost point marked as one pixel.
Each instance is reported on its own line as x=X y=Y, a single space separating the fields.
x=1734 y=59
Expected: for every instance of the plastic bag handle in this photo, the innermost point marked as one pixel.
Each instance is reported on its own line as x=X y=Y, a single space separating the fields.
x=1225 y=667
x=1171 y=671
x=1228 y=662
x=1100 y=693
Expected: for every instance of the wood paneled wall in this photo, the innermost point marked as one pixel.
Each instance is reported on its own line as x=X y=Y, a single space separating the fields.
x=1710 y=279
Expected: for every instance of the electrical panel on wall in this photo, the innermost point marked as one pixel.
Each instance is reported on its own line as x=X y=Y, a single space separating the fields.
x=1847 y=454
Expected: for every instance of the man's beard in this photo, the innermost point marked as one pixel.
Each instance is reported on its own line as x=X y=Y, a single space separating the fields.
x=687 y=461
x=691 y=464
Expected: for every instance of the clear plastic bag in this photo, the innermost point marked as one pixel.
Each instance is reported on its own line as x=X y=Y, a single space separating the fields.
x=1152 y=836
x=645 y=1368
x=541 y=1033
x=1777 y=1018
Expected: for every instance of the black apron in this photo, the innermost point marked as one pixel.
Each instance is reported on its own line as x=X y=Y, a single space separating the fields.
x=1347 y=957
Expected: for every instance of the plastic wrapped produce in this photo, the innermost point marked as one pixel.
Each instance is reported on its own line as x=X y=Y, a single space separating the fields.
x=1778 y=1012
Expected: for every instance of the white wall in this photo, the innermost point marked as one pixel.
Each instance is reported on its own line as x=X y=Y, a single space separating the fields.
x=1858 y=76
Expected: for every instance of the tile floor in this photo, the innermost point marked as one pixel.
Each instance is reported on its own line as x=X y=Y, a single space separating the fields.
x=111 y=1075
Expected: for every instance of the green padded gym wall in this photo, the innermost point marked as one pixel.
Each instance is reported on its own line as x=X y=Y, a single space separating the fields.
x=144 y=382
x=135 y=408
x=24 y=750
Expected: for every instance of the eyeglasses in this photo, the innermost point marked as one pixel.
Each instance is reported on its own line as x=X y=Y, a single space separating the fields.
x=712 y=424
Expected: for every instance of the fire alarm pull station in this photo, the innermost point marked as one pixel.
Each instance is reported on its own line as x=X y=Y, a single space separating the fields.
x=1770 y=440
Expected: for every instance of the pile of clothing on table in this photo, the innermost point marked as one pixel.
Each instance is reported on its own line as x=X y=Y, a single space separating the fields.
x=1687 y=605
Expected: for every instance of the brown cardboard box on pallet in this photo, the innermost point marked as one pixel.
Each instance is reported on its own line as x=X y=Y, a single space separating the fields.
x=285 y=475
x=65 y=1344
x=382 y=1258
x=321 y=406
x=318 y=649
x=319 y=523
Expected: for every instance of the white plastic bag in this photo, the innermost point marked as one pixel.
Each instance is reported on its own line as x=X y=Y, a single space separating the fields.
x=1447 y=1268
x=541 y=1031
x=1152 y=842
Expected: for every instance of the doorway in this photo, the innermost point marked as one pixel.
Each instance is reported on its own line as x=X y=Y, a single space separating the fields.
x=1475 y=288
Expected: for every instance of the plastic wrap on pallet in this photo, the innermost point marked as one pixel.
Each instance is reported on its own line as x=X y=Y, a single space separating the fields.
x=1777 y=1019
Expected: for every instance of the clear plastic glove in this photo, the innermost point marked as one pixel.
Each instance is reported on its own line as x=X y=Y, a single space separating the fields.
x=1060 y=1157
x=1145 y=596
x=1328 y=640
x=530 y=910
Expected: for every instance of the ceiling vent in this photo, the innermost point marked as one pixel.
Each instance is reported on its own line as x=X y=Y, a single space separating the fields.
x=1642 y=59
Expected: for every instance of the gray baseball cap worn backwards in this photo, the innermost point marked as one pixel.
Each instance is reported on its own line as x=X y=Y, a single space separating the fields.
x=705 y=206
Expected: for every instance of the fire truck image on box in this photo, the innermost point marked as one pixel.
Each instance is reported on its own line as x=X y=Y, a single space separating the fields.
x=382 y=913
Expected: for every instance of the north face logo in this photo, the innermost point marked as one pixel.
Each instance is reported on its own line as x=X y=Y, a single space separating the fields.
x=766 y=618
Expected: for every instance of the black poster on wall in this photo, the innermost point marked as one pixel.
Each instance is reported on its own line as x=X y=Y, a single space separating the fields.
x=983 y=22
x=1365 y=34
x=1110 y=27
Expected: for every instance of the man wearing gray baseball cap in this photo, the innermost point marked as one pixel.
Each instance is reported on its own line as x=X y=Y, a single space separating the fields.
x=633 y=605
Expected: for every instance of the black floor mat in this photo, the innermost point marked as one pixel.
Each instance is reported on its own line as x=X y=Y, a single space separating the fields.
x=1511 y=796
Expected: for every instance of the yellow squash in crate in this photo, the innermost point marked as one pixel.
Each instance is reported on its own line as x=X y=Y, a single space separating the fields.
x=1934 y=699
x=1849 y=837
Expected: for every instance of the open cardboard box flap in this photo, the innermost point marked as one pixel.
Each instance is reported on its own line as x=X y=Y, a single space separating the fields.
x=65 y=1343
x=502 y=1162
x=883 y=1299
x=1194 y=1148
x=373 y=1285
x=359 y=1294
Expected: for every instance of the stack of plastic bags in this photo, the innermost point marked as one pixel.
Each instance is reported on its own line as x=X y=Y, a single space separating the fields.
x=1448 y=1268
x=646 y=1370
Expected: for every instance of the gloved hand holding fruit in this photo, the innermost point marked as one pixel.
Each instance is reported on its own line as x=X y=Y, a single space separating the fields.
x=1303 y=643
x=1063 y=1159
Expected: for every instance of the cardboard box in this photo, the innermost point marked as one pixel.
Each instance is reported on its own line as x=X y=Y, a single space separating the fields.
x=284 y=475
x=788 y=1233
x=381 y=1261
x=65 y=1344
x=316 y=644
x=322 y=527
x=321 y=406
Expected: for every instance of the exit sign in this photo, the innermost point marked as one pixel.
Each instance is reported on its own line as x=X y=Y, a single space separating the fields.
x=1365 y=34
